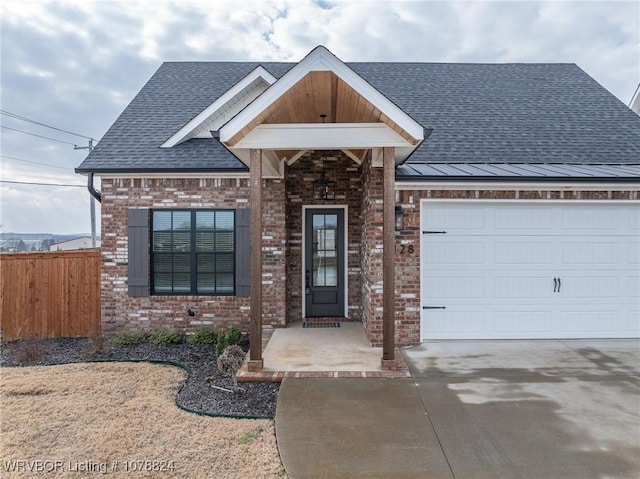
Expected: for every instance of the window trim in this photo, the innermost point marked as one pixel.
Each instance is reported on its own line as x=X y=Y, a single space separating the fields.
x=193 y=253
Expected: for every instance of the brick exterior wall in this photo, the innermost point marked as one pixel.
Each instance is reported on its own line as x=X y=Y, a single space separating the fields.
x=371 y=251
x=358 y=186
x=299 y=185
x=121 y=312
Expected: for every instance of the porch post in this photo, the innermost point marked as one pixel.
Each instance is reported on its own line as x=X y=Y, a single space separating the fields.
x=388 y=259
x=255 y=239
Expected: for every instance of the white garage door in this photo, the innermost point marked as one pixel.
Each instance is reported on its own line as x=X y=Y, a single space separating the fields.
x=514 y=270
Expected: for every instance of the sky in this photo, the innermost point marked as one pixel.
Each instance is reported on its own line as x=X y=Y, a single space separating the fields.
x=75 y=65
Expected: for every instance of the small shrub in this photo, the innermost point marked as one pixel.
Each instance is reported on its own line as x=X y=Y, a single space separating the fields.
x=128 y=338
x=161 y=337
x=233 y=336
x=230 y=338
x=203 y=335
x=222 y=343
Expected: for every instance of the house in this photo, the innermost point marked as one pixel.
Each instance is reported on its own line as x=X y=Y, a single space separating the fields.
x=426 y=201
x=83 y=242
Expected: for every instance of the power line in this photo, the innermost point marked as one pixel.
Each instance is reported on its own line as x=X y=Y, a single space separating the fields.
x=35 y=162
x=39 y=136
x=40 y=184
x=29 y=120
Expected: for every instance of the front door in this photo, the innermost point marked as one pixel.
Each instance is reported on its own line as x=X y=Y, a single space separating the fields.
x=324 y=260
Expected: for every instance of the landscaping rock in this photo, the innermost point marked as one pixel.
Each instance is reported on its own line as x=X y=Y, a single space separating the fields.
x=197 y=394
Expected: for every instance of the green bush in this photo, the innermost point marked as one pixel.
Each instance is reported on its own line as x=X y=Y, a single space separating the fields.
x=128 y=338
x=203 y=335
x=163 y=336
x=233 y=336
x=222 y=343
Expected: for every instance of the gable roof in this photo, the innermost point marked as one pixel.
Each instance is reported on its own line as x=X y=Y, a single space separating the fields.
x=479 y=113
x=321 y=60
x=224 y=107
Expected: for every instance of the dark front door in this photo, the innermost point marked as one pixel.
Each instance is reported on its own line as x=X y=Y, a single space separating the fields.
x=324 y=260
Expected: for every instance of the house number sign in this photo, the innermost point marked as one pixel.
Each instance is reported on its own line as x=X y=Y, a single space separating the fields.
x=405 y=249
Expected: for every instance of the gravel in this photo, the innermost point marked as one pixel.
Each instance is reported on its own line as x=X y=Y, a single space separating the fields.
x=197 y=394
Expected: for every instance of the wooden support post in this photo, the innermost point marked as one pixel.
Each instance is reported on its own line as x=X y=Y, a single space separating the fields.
x=388 y=259
x=255 y=234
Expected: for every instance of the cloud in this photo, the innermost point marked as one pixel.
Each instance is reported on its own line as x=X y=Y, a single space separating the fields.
x=75 y=64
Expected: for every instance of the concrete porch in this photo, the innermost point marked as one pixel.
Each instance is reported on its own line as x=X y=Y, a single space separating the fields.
x=342 y=352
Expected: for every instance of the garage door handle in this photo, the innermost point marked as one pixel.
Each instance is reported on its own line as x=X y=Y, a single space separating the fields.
x=434 y=307
x=557 y=284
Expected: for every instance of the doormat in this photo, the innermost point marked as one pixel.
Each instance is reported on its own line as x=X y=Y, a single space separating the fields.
x=321 y=324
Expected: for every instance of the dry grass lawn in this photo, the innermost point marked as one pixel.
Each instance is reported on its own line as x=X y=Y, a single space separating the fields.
x=103 y=417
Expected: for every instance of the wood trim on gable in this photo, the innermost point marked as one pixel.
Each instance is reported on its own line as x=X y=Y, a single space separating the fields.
x=315 y=87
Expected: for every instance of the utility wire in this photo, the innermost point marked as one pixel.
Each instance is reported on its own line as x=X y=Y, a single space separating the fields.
x=39 y=136
x=35 y=162
x=29 y=120
x=40 y=184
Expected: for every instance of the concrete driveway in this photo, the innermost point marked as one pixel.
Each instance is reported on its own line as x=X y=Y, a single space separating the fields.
x=508 y=409
x=520 y=409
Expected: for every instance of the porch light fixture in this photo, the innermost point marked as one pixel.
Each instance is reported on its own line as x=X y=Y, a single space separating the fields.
x=324 y=188
x=399 y=218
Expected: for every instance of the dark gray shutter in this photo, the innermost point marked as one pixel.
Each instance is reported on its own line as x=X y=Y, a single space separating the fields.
x=138 y=222
x=243 y=279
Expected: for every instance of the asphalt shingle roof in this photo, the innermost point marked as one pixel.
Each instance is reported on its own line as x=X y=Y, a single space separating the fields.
x=479 y=113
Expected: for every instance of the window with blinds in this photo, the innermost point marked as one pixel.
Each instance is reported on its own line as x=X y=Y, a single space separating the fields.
x=193 y=252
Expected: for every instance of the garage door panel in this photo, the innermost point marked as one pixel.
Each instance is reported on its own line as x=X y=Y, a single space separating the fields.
x=590 y=253
x=632 y=220
x=459 y=219
x=497 y=263
x=592 y=322
x=456 y=287
x=599 y=219
x=633 y=321
x=589 y=287
x=459 y=324
x=510 y=221
x=508 y=322
x=523 y=252
x=455 y=252
x=522 y=287
x=633 y=252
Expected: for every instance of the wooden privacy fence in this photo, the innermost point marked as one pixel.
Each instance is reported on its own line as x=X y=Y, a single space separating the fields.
x=50 y=294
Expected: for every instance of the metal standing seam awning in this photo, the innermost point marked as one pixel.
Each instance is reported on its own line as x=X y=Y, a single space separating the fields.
x=518 y=171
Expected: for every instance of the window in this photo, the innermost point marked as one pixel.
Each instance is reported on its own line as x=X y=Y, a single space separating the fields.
x=193 y=252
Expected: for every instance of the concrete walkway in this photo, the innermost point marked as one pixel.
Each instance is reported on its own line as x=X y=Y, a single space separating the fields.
x=519 y=409
x=356 y=428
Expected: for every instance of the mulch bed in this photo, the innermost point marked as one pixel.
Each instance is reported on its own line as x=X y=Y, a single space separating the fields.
x=197 y=394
